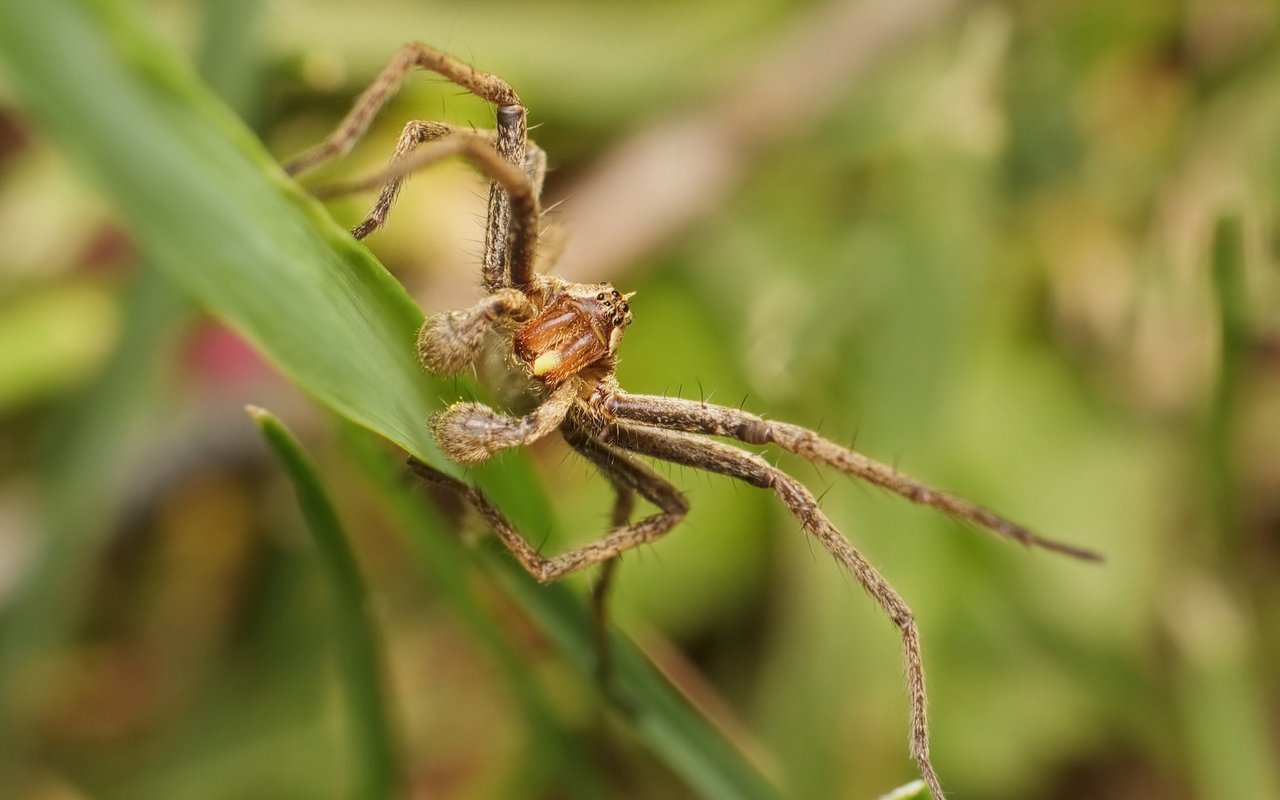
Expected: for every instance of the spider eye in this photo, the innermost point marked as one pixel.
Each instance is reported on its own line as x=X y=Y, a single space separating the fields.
x=617 y=320
x=600 y=296
x=625 y=307
x=616 y=293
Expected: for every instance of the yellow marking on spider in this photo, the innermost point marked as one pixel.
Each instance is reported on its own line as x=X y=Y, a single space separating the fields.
x=546 y=362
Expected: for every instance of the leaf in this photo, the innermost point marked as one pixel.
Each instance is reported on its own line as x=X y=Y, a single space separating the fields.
x=211 y=207
x=661 y=717
x=359 y=658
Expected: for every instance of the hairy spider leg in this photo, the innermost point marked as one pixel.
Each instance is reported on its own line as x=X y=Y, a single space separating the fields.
x=601 y=590
x=638 y=477
x=705 y=418
x=417 y=133
x=520 y=193
x=686 y=448
x=504 y=264
x=605 y=459
x=415 y=54
x=509 y=141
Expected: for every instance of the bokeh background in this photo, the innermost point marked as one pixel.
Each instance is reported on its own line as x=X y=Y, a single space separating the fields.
x=1024 y=251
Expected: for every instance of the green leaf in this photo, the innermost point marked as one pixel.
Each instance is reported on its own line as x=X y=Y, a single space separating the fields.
x=662 y=718
x=551 y=751
x=207 y=202
x=357 y=642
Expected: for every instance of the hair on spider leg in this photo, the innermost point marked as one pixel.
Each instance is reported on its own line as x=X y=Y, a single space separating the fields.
x=556 y=205
x=854 y=440
x=816 y=468
x=562 y=340
x=546 y=537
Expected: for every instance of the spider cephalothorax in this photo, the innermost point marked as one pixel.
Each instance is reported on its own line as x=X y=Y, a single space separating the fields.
x=577 y=331
x=565 y=338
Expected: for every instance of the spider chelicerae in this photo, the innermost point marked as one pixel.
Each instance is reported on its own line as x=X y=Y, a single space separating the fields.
x=562 y=338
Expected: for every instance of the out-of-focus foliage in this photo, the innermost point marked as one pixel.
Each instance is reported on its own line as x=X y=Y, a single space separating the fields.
x=1031 y=257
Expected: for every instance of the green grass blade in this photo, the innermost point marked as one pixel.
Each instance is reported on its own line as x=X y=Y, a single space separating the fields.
x=689 y=743
x=357 y=643
x=1219 y=685
x=1228 y=270
x=552 y=754
x=206 y=201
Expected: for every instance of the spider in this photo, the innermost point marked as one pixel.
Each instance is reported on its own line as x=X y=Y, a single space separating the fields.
x=562 y=339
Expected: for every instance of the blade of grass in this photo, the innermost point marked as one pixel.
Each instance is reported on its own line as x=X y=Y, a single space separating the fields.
x=357 y=643
x=551 y=752
x=1228 y=270
x=687 y=741
x=1221 y=693
x=661 y=716
x=209 y=205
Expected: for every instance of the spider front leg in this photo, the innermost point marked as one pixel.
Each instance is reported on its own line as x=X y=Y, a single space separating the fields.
x=415 y=54
x=503 y=263
x=417 y=133
x=671 y=504
x=519 y=229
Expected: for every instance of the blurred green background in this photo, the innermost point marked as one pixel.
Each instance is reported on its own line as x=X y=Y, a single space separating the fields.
x=1027 y=252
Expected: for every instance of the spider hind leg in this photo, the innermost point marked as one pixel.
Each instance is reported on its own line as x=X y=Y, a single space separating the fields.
x=622 y=472
x=690 y=450
x=671 y=504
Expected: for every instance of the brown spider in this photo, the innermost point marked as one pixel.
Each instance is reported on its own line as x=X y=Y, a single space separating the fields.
x=563 y=340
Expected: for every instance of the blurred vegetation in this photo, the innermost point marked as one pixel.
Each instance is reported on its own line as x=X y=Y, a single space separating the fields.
x=1031 y=255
